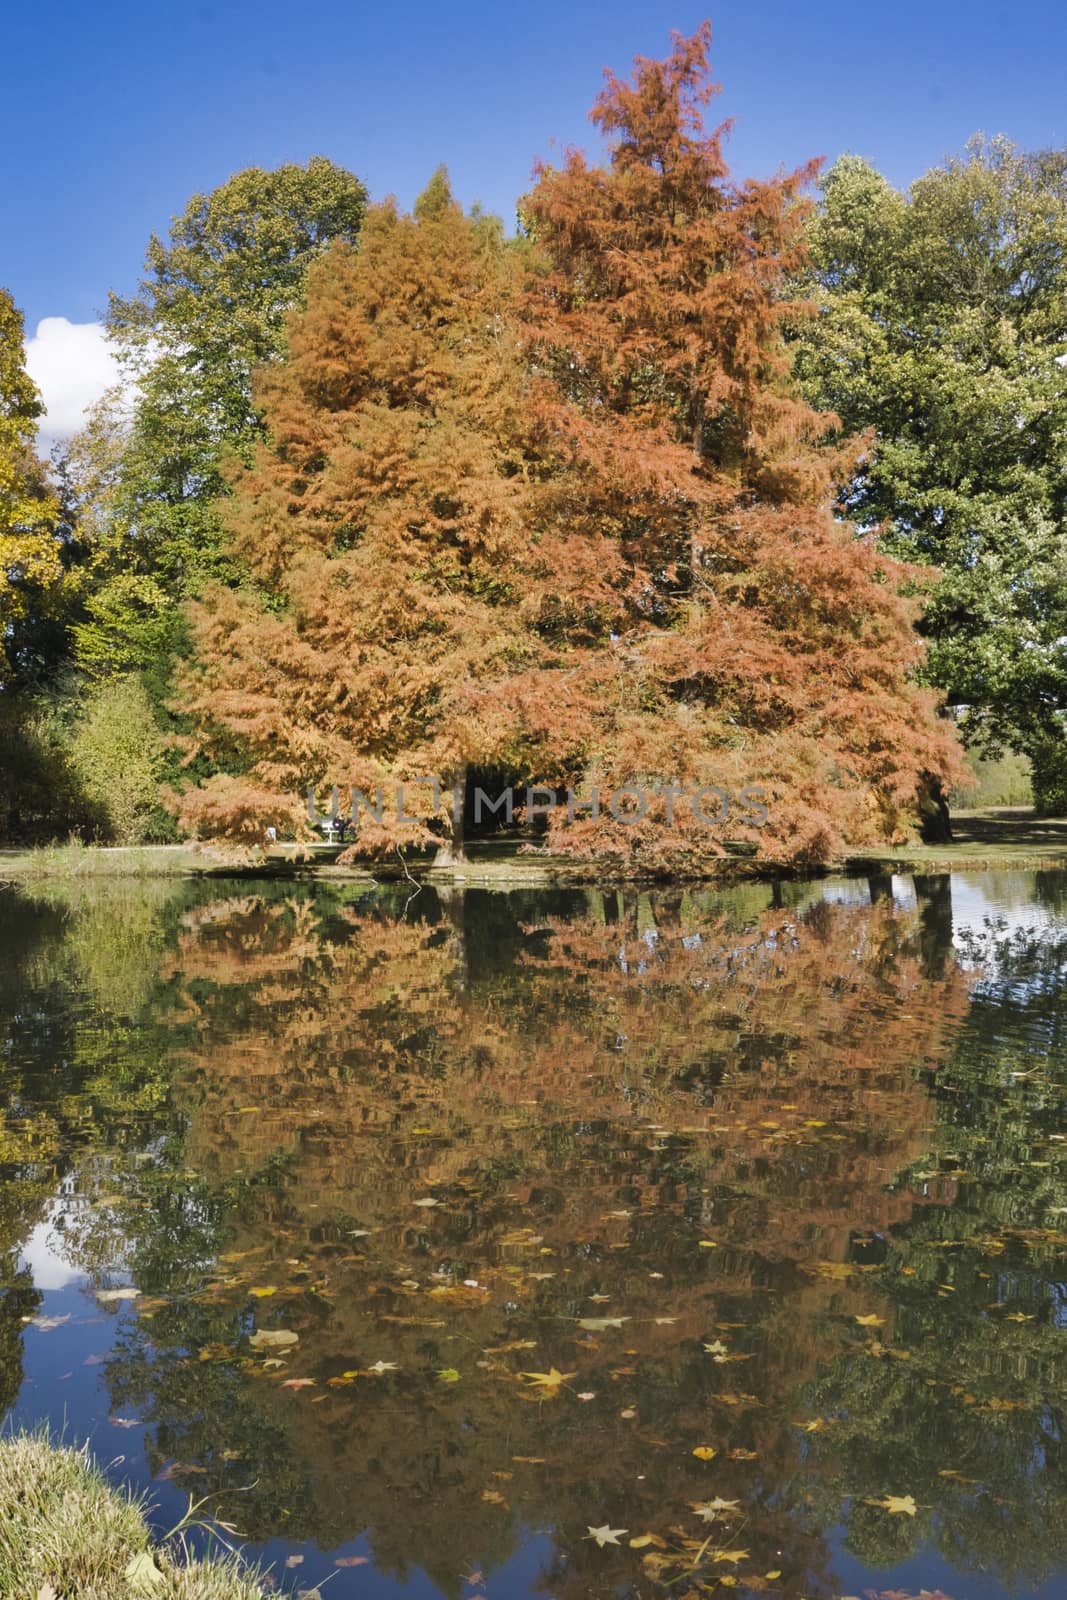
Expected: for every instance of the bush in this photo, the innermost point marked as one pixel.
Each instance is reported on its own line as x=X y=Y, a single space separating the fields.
x=117 y=753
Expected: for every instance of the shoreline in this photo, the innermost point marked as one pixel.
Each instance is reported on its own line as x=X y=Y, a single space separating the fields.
x=993 y=839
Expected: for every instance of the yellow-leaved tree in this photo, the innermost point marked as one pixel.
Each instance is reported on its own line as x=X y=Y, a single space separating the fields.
x=29 y=552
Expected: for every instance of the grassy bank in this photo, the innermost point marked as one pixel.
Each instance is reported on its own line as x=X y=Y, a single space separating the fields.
x=1003 y=836
x=995 y=837
x=65 y=1532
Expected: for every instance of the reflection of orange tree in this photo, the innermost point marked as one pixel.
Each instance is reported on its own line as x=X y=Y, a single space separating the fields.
x=659 y=1118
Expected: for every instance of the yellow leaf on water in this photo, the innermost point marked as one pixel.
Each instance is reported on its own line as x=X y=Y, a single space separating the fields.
x=548 y=1382
x=871 y=1321
x=261 y=1294
x=896 y=1504
x=704 y=1452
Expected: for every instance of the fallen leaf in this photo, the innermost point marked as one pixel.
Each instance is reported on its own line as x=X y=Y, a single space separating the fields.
x=351 y=1561
x=111 y=1296
x=598 y=1324
x=142 y=1571
x=272 y=1338
x=896 y=1504
x=298 y=1383
x=704 y=1452
x=870 y=1321
x=606 y=1535
x=549 y=1382
x=710 y=1509
x=448 y=1374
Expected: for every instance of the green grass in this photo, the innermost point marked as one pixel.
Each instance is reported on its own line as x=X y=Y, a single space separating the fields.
x=1006 y=836
x=94 y=861
x=65 y=1532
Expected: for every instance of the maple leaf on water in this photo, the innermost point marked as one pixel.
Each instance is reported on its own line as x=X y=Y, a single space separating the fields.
x=383 y=1366
x=606 y=1535
x=548 y=1382
x=710 y=1509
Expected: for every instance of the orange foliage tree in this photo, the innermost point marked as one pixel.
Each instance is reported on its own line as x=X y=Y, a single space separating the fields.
x=763 y=643
x=552 y=509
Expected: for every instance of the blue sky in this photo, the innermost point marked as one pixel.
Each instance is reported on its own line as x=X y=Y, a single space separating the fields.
x=115 y=113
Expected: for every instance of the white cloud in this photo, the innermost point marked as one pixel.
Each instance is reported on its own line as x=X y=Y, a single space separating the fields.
x=71 y=364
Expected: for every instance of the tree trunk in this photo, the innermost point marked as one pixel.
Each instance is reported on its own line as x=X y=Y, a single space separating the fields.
x=452 y=851
x=697 y=414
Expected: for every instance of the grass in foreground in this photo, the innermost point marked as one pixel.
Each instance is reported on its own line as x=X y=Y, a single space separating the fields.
x=95 y=861
x=65 y=1532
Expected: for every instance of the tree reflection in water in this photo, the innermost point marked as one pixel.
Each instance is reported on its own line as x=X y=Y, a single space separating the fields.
x=754 y=1177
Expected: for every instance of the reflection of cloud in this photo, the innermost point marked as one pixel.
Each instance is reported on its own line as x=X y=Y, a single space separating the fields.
x=72 y=364
x=49 y=1269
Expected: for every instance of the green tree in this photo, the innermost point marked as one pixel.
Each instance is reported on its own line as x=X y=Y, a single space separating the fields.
x=30 y=557
x=942 y=326
x=146 y=477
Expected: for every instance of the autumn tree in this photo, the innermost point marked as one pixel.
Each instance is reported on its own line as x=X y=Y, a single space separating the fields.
x=941 y=326
x=383 y=524
x=758 y=640
x=30 y=556
x=553 y=508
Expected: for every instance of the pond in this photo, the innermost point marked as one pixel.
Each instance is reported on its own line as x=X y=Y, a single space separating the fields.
x=552 y=1244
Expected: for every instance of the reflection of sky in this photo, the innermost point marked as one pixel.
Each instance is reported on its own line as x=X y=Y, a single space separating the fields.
x=43 y=1255
x=1006 y=898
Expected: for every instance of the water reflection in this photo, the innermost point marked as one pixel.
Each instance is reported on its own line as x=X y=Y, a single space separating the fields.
x=464 y=1225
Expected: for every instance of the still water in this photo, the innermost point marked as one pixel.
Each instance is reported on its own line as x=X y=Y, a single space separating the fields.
x=554 y=1244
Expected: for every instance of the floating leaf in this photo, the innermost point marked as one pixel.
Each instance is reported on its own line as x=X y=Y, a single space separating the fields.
x=896 y=1504
x=704 y=1452
x=448 y=1374
x=598 y=1324
x=548 y=1382
x=710 y=1509
x=273 y=1339
x=606 y=1535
